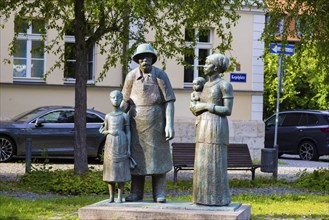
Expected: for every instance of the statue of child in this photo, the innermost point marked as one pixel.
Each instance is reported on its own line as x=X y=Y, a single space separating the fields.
x=198 y=84
x=116 y=168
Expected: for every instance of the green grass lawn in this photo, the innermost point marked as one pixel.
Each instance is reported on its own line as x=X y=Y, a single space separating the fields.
x=288 y=206
x=27 y=209
x=273 y=206
x=312 y=203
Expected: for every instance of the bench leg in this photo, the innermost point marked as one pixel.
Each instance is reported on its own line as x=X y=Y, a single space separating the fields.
x=175 y=175
x=253 y=174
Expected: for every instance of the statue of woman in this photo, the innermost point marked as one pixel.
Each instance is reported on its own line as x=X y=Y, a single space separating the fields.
x=210 y=182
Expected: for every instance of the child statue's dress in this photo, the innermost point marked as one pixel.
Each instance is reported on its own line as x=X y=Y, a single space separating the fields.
x=116 y=166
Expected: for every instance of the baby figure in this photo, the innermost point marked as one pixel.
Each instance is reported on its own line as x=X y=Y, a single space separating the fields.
x=116 y=168
x=198 y=84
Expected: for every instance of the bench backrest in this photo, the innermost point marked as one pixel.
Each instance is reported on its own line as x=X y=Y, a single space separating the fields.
x=238 y=155
x=183 y=154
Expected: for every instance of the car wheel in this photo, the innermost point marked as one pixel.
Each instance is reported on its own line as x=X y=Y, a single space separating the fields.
x=7 y=148
x=307 y=151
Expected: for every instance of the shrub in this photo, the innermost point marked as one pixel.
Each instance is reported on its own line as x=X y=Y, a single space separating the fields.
x=64 y=182
x=317 y=181
x=91 y=183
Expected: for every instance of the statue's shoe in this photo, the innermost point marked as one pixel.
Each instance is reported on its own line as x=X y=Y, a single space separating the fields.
x=133 y=198
x=160 y=199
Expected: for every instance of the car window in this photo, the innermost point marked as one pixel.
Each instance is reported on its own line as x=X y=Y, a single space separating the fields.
x=62 y=116
x=291 y=119
x=93 y=118
x=303 y=120
x=326 y=119
x=271 y=121
x=323 y=119
x=67 y=117
x=309 y=120
x=312 y=119
x=281 y=119
x=28 y=115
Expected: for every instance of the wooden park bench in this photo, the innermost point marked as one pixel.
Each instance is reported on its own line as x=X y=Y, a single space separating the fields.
x=238 y=158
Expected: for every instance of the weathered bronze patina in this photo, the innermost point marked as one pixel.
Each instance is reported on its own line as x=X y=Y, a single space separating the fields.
x=210 y=182
x=149 y=98
x=116 y=168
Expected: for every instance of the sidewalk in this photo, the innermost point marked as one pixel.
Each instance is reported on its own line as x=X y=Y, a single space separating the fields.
x=288 y=168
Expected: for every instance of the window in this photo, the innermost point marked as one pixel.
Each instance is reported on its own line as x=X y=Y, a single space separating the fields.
x=301 y=26
x=67 y=116
x=326 y=118
x=197 y=56
x=92 y=118
x=280 y=27
x=308 y=120
x=62 y=116
x=279 y=24
x=70 y=58
x=312 y=119
x=29 y=53
x=271 y=121
x=292 y=119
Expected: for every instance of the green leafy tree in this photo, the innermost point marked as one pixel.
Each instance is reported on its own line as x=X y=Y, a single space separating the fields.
x=306 y=80
x=110 y=22
x=304 y=87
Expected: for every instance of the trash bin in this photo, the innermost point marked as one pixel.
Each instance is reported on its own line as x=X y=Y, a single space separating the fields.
x=268 y=160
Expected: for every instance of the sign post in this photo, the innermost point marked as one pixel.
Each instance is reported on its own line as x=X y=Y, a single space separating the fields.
x=289 y=50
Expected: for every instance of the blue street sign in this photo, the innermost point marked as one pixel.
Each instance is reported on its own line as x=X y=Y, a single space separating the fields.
x=276 y=49
x=238 y=77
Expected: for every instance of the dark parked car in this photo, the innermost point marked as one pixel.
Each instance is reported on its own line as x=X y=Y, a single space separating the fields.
x=302 y=132
x=51 y=129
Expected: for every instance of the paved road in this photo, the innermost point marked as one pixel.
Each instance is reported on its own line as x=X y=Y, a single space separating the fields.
x=290 y=165
x=294 y=161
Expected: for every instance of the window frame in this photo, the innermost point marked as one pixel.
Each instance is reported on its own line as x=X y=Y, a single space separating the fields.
x=68 y=38
x=199 y=45
x=29 y=36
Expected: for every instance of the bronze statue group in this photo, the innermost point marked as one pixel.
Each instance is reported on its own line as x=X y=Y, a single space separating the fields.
x=139 y=129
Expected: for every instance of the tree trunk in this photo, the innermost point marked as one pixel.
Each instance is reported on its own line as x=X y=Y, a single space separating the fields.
x=80 y=149
x=125 y=44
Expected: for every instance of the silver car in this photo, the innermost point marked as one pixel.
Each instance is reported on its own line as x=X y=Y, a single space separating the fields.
x=51 y=130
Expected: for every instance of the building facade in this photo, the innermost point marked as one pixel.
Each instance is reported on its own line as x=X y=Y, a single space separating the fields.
x=22 y=86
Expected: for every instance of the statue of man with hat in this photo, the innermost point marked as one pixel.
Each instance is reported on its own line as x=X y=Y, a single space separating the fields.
x=149 y=98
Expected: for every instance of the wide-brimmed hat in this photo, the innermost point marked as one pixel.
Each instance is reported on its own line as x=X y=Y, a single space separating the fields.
x=145 y=49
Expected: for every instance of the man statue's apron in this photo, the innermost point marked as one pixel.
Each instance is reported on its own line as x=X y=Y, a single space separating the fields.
x=149 y=147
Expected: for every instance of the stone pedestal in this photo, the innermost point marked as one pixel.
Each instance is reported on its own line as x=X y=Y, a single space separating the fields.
x=164 y=211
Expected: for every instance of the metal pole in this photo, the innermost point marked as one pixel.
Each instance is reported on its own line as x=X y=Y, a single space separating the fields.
x=275 y=145
x=28 y=155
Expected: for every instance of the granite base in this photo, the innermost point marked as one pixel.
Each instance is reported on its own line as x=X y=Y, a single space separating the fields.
x=169 y=211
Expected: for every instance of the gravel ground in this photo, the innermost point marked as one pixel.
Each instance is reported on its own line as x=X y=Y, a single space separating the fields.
x=289 y=166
